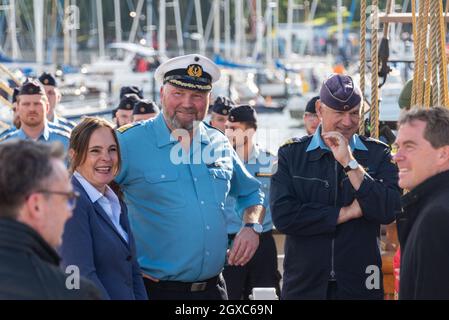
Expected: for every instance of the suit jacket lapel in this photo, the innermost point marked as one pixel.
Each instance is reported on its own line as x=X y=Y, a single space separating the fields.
x=98 y=209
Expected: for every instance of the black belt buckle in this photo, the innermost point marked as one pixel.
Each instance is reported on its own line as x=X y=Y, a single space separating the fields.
x=198 y=286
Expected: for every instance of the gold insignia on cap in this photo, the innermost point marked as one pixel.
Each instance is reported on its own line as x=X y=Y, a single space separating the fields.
x=231 y=118
x=30 y=90
x=225 y=112
x=128 y=106
x=46 y=81
x=142 y=109
x=194 y=70
x=346 y=107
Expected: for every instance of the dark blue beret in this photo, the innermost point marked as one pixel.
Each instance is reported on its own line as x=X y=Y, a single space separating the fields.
x=31 y=86
x=243 y=113
x=310 y=106
x=14 y=94
x=145 y=107
x=128 y=101
x=131 y=89
x=222 y=105
x=340 y=93
x=47 y=79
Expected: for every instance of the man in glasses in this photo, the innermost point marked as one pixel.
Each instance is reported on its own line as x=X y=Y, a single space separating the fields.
x=36 y=199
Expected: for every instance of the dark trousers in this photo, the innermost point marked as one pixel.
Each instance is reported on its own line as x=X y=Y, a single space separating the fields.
x=260 y=272
x=170 y=290
x=332 y=290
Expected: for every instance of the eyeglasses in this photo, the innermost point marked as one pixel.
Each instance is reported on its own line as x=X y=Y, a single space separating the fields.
x=71 y=196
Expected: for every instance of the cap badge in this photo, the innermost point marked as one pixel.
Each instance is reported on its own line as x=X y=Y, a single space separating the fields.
x=128 y=106
x=195 y=70
x=225 y=112
x=345 y=107
x=46 y=81
x=142 y=109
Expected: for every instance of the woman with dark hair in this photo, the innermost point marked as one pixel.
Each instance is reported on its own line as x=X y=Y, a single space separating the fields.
x=98 y=239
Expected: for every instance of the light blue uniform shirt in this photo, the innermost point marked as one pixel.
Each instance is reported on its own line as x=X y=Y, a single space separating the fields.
x=176 y=209
x=259 y=165
x=49 y=134
x=317 y=142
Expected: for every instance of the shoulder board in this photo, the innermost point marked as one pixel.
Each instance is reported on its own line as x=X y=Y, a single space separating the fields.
x=7 y=136
x=5 y=132
x=60 y=127
x=369 y=139
x=61 y=132
x=212 y=127
x=294 y=140
x=67 y=122
x=128 y=126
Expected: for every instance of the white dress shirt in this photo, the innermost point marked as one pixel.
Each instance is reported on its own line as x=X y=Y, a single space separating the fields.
x=108 y=201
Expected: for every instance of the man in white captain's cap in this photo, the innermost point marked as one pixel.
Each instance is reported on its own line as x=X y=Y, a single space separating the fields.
x=176 y=208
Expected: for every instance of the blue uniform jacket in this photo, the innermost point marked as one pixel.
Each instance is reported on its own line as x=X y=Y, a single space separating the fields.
x=307 y=192
x=92 y=243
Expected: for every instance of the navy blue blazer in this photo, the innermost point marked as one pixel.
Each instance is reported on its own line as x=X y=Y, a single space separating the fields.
x=91 y=242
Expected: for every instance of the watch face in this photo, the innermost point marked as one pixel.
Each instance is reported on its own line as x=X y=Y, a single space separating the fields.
x=353 y=164
x=258 y=228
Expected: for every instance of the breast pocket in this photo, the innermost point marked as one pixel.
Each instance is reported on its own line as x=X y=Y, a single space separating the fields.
x=311 y=189
x=221 y=180
x=166 y=189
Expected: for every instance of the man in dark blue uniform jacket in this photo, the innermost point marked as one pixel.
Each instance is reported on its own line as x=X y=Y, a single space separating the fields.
x=330 y=194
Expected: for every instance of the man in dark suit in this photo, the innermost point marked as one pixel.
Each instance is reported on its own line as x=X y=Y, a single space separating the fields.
x=36 y=199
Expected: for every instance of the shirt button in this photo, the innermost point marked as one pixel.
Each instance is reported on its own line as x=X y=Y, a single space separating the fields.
x=207 y=228
x=163 y=176
x=207 y=253
x=195 y=179
x=202 y=202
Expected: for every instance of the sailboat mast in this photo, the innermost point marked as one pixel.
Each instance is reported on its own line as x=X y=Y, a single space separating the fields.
x=13 y=29
x=38 y=7
x=227 y=29
x=135 y=25
x=101 y=47
x=161 y=31
x=65 y=29
x=118 y=21
x=216 y=5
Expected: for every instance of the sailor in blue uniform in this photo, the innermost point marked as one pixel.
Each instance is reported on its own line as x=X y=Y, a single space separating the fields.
x=124 y=112
x=32 y=106
x=261 y=271
x=176 y=174
x=220 y=112
x=54 y=97
x=330 y=194
x=145 y=109
x=15 y=120
x=131 y=89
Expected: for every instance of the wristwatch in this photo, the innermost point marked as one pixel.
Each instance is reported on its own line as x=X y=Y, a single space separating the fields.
x=352 y=165
x=257 y=227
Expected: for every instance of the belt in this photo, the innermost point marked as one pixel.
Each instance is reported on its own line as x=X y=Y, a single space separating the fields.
x=183 y=286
